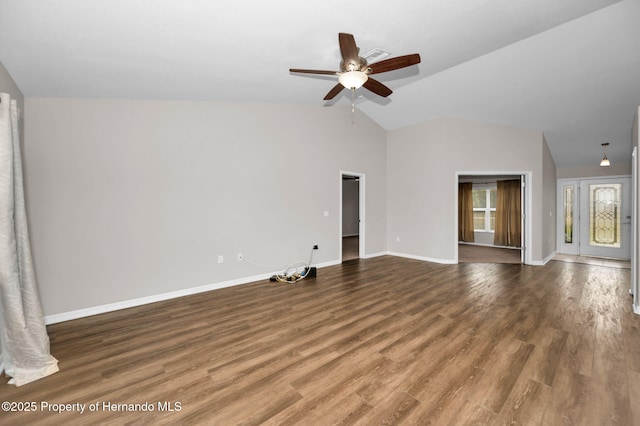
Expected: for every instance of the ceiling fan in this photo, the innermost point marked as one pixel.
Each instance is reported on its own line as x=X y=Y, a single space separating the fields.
x=354 y=70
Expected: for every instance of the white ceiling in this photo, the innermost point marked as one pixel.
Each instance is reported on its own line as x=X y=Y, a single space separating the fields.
x=569 y=68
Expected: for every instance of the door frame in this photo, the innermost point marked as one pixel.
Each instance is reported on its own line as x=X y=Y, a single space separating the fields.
x=633 y=290
x=526 y=197
x=361 y=212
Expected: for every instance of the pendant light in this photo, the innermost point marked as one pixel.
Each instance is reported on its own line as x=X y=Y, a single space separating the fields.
x=605 y=161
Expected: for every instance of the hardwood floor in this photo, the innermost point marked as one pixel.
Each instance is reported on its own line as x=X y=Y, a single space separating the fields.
x=350 y=248
x=468 y=253
x=376 y=341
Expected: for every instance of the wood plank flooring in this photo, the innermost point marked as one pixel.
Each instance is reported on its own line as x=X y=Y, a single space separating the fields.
x=468 y=253
x=376 y=341
x=350 y=248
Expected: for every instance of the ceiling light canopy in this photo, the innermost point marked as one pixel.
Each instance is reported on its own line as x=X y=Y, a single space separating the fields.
x=353 y=79
x=605 y=161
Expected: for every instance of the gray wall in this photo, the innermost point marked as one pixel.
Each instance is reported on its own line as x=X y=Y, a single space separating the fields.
x=619 y=169
x=137 y=198
x=7 y=85
x=131 y=199
x=422 y=165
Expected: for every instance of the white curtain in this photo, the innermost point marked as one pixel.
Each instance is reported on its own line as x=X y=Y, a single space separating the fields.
x=24 y=343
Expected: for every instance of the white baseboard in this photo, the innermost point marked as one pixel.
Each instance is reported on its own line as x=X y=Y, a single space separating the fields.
x=488 y=245
x=543 y=261
x=425 y=259
x=328 y=263
x=371 y=255
x=110 y=307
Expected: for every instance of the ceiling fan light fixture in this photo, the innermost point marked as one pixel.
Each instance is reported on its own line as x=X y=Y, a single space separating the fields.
x=605 y=161
x=354 y=69
x=353 y=79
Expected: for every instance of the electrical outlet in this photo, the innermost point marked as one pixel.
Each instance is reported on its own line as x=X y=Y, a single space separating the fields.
x=240 y=257
x=220 y=259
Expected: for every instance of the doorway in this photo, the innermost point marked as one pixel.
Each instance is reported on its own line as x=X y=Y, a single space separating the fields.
x=482 y=246
x=595 y=217
x=351 y=215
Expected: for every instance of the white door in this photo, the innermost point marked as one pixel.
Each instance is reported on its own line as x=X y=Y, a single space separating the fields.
x=605 y=217
x=523 y=234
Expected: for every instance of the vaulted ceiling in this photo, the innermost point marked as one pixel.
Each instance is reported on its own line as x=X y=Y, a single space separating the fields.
x=568 y=68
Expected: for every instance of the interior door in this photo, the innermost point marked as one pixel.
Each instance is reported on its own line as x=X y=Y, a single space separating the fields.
x=605 y=217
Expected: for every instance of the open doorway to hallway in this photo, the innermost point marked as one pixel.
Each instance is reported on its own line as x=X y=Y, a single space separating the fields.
x=352 y=214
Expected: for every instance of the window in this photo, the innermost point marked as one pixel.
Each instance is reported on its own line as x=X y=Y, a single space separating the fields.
x=484 y=208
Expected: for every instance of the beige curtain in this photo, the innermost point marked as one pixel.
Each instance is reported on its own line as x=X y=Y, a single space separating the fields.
x=24 y=343
x=465 y=212
x=508 y=214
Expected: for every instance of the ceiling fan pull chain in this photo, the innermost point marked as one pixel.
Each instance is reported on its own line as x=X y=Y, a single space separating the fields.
x=353 y=100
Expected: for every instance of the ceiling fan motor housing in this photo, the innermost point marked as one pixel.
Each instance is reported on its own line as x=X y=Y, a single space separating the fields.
x=361 y=65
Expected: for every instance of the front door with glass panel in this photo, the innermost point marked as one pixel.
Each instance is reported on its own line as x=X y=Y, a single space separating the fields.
x=595 y=217
x=605 y=213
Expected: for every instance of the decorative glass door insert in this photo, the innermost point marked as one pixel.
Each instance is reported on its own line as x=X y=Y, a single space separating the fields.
x=605 y=209
x=605 y=202
x=568 y=202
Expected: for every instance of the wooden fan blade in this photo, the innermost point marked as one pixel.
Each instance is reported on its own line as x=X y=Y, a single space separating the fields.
x=378 y=88
x=394 y=63
x=313 y=71
x=348 y=48
x=333 y=92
